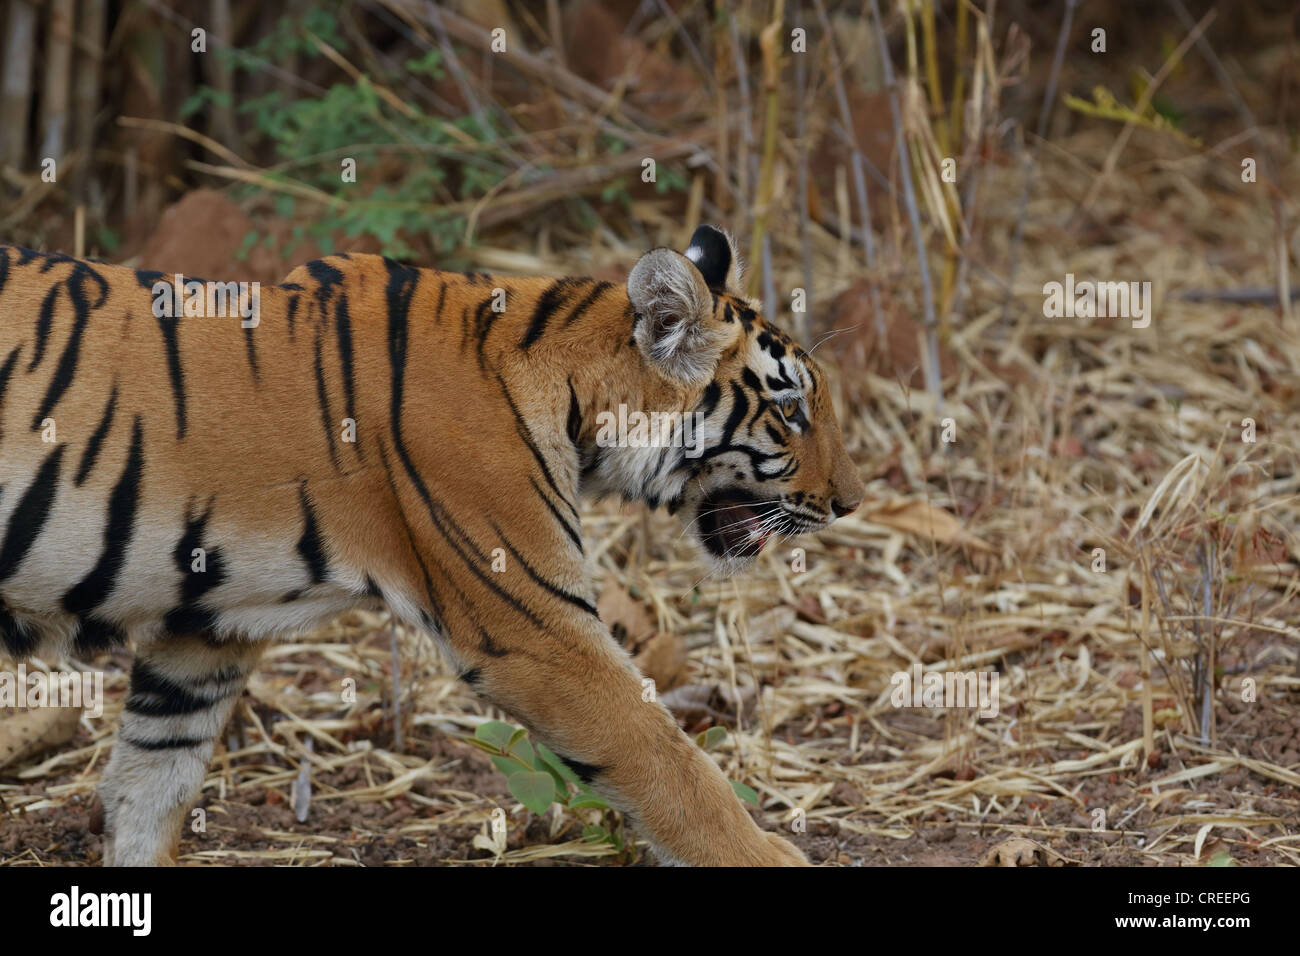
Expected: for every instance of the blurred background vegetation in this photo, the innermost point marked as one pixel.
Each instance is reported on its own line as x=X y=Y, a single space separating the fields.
x=524 y=124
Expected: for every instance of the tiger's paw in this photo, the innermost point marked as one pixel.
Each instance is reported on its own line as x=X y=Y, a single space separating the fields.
x=778 y=851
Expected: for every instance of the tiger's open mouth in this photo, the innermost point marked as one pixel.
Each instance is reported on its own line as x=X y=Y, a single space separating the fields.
x=734 y=524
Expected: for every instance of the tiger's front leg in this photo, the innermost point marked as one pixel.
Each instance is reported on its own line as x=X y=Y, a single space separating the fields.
x=582 y=696
x=183 y=689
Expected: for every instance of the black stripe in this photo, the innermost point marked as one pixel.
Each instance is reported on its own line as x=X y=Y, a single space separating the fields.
x=6 y=371
x=522 y=428
x=166 y=743
x=95 y=635
x=489 y=646
x=94 y=588
x=343 y=330
x=67 y=366
x=148 y=278
x=190 y=619
x=546 y=585
x=251 y=351
x=739 y=409
x=44 y=321
x=190 y=616
x=155 y=695
x=174 y=370
x=410 y=536
x=586 y=772
x=483 y=318
x=310 y=546
x=96 y=440
x=323 y=400
x=547 y=304
x=18 y=640
x=471 y=676
x=568 y=529
x=30 y=515
x=327 y=277
x=709 y=401
x=587 y=301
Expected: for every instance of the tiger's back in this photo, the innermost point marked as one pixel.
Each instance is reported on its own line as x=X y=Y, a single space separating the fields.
x=182 y=484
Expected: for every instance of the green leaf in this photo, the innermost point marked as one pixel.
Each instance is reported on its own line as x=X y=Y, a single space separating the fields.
x=482 y=745
x=561 y=788
x=534 y=789
x=594 y=833
x=745 y=793
x=524 y=751
x=586 y=800
x=1222 y=858
x=495 y=733
x=507 y=765
x=711 y=737
x=561 y=768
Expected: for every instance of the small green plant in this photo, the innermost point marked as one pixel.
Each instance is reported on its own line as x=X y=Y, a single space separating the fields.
x=538 y=778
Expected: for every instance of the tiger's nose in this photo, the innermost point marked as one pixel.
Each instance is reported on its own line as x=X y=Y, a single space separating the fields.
x=842 y=508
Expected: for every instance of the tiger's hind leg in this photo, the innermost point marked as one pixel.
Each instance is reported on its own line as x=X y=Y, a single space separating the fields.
x=183 y=689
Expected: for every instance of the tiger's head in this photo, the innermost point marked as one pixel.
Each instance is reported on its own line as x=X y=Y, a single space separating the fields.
x=758 y=451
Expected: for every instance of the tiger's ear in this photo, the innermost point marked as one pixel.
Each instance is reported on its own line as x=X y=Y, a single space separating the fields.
x=714 y=254
x=675 y=328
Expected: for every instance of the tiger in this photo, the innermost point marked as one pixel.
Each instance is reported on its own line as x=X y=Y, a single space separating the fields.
x=384 y=436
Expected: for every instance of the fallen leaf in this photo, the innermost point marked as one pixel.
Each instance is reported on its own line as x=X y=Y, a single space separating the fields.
x=1018 y=851
x=628 y=619
x=30 y=731
x=917 y=517
x=663 y=659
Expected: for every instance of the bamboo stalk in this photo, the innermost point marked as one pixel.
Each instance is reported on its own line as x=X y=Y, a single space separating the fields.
x=933 y=380
x=956 y=120
x=800 y=320
x=57 y=87
x=222 y=127
x=932 y=75
x=769 y=43
x=859 y=176
x=15 y=93
x=744 y=161
x=86 y=94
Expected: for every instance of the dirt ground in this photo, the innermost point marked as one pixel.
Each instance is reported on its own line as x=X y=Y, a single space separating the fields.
x=433 y=821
